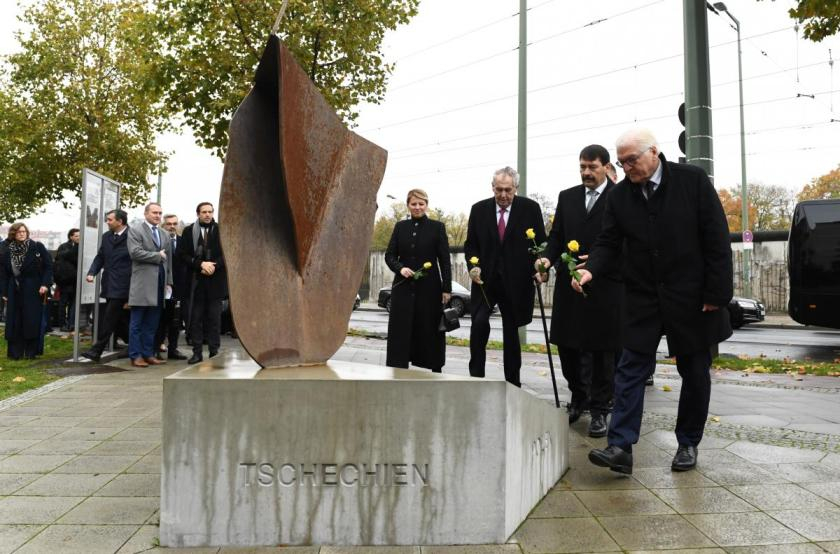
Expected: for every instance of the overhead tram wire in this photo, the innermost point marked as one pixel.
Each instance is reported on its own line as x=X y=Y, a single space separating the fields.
x=548 y=87
x=512 y=49
x=589 y=112
x=572 y=115
x=468 y=33
x=729 y=107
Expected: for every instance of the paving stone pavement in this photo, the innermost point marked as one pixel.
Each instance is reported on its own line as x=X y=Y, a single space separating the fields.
x=80 y=472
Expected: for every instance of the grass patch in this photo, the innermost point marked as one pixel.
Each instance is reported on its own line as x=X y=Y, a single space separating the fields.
x=499 y=345
x=747 y=364
x=17 y=376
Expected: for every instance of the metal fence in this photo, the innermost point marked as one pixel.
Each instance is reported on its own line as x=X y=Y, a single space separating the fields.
x=769 y=279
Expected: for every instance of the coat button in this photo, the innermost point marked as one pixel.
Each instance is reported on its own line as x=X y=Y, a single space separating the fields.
x=655 y=253
x=413 y=234
x=412 y=246
x=651 y=217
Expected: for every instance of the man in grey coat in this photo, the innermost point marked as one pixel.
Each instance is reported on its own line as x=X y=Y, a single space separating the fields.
x=151 y=280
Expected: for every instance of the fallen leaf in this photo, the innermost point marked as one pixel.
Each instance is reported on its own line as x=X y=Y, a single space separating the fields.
x=18 y=379
x=743 y=357
x=543 y=373
x=801 y=370
x=715 y=418
x=666 y=388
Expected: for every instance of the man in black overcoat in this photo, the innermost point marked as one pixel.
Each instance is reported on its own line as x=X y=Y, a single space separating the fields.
x=169 y=327
x=200 y=248
x=64 y=273
x=677 y=272
x=496 y=237
x=114 y=261
x=585 y=326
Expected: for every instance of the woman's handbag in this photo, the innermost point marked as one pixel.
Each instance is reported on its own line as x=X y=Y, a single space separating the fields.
x=449 y=320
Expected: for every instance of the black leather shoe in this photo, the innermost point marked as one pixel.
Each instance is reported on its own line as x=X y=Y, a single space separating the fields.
x=612 y=457
x=575 y=412
x=195 y=359
x=649 y=382
x=91 y=355
x=685 y=458
x=175 y=355
x=598 y=426
x=214 y=353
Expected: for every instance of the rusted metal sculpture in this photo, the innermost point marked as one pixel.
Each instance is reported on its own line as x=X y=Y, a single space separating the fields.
x=296 y=215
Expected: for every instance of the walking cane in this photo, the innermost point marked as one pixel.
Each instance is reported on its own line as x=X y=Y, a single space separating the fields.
x=548 y=346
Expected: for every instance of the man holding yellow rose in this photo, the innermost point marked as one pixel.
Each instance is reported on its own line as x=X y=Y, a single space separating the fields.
x=585 y=326
x=666 y=222
x=504 y=273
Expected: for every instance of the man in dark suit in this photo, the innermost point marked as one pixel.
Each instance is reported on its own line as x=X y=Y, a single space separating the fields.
x=496 y=237
x=169 y=327
x=585 y=327
x=115 y=263
x=677 y=271
x=200 y=249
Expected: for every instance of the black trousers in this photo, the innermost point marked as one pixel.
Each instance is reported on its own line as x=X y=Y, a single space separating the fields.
x=480 y=333
x=590 y=378
x=114 y=321
x=205 y=320
x=630 y=376
x=169 y=327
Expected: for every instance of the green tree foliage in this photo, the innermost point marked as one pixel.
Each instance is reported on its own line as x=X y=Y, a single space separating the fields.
x=456 y=225
x=213 y=47
x=80 y=93
x=821 y=18
x=823 y=187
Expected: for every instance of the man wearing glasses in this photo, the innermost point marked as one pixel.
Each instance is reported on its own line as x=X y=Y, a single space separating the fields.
x=677 y=271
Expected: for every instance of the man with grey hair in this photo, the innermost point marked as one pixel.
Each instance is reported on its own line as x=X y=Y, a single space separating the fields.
x=497 y=254
x=677 y=271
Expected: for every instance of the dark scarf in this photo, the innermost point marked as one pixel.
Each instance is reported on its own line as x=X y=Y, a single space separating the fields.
x=18 y=251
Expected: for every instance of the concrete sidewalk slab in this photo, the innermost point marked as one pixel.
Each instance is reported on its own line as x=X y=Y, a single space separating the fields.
x=92 y=484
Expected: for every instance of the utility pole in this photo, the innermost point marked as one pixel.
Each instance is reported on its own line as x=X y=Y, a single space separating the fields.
x=522 y=128
x=698 y=92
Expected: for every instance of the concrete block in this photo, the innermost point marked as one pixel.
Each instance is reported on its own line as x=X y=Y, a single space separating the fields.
x=350 y=454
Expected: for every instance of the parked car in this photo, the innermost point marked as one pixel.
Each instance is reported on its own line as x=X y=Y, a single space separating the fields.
x=745 y=310
x=460 y=299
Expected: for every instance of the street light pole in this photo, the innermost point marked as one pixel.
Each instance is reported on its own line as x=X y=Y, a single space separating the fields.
x=745 y=259
x=522 y=122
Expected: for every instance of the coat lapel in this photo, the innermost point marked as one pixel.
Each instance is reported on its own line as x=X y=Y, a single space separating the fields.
x=600 y=202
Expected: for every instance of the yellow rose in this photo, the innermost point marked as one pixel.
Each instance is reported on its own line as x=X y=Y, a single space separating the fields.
x=573 y=246
x=474 y=260
x=427 y=265
x=530 y=234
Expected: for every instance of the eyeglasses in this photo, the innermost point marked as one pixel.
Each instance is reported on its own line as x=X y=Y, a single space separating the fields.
x=632 y=160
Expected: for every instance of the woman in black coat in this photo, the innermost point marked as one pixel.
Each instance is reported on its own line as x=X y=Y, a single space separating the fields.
x=417 y=304
x=24 y=282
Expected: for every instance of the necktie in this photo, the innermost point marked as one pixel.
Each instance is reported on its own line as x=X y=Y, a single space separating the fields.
x=204 y=235
x=649 y=189
x=155 y=236
x=593 y=195
x=502 y=223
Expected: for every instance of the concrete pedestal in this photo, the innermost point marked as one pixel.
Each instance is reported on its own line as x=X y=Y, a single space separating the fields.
x=350 y=454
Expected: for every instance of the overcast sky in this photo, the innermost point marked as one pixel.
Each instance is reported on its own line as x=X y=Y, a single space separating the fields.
x=449 y=117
